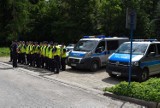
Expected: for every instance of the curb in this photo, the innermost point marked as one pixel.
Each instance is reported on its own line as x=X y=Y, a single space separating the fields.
x=64 y=82
x=133 y=100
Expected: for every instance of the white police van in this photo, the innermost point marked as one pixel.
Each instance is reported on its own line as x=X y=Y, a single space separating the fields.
x=92 y=52
x=145 y=59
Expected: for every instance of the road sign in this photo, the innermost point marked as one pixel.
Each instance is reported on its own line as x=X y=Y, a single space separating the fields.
x=131 y=13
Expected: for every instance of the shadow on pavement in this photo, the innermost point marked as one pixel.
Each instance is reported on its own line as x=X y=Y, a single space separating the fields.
x=6 y=68
x=84 y=71
x=46 y=74
x=115 y=80
x=34 y=69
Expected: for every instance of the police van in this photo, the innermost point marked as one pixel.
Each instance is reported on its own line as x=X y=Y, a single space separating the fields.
x=92 y=52
x=145 y=59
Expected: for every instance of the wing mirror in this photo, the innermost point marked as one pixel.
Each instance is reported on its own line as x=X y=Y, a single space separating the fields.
x=151 y=54
x=99 y=50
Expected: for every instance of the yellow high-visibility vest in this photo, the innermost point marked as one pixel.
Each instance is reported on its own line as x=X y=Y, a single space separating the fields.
x=63 y=53
x=32 y=49
x=27 y=49
x=37 y=49
x=51 y=53
x=58 y=51
x=44 y=51
x=23 y=49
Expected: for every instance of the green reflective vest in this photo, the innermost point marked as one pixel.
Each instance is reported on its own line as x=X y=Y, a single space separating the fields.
x=37 y=49
x=23 y=49
x=51 y=53
x=47 y=51
x=27 y=49
x=63 y=53
x=32 y=49
x=44 y=50
x=58 y=51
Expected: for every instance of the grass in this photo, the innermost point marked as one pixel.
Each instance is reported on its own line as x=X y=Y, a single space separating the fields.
x=148 y=91
x=4 y=51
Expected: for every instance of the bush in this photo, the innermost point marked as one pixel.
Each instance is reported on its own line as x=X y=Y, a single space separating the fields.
x=4 y=51
x=149 y=90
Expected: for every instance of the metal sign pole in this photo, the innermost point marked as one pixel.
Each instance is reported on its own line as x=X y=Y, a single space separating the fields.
x=132 y=16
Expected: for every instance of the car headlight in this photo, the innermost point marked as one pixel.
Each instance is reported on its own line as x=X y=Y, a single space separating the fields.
x=135 y=63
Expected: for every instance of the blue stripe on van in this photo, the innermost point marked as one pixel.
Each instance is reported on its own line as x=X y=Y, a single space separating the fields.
x=100 y=54
x=79 y=55
x=149 y=63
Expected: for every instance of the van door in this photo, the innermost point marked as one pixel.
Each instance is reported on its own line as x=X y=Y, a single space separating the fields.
x=151 y=59
x=112 y=45
x=158 y=58
x=100 y=52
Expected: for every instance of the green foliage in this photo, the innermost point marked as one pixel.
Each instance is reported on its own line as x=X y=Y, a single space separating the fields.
x=69 y=20
x=149 y=90
x=4 y=51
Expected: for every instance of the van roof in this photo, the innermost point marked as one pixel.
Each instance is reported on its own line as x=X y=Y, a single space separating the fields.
x=147 y=42
x=109 y=38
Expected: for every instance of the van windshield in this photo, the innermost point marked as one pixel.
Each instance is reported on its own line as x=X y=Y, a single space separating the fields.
x=137 y=48
x=85 y=45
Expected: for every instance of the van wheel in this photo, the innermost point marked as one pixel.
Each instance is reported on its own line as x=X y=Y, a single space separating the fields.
x=112 y=75
x=94 y=66
x=73 y=67
x=144 y=75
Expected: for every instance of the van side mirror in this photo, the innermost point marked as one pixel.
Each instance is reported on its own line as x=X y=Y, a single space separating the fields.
x=151 y=54
x=98 y=50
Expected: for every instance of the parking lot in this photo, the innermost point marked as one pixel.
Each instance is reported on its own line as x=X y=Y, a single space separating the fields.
x=95 y=80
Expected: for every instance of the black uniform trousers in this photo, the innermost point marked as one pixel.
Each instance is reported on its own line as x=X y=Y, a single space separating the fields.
x=19 y=57
x=42 y=61
x=37 y=59
x=14 y=59
x=63 y=63
x=51 y=64
x=56 y=63
x=23 y=59
x=27 y=59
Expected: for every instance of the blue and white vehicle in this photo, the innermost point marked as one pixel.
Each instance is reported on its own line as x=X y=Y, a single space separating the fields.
x=145 y=59
x=92 y=52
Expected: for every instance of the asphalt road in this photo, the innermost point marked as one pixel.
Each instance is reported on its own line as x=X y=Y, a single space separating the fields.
x=21 y=90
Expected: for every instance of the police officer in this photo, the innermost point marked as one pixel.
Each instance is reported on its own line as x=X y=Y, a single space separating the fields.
x=27 y=52
x=57 y=58
x=50 y=59
x=47 y=56
x=43 y=54
x=11 y=55
x=14 y=53
x=31 y=54
x=63 y=57
x=37 y=54
x=23 y=52
x=19 y=52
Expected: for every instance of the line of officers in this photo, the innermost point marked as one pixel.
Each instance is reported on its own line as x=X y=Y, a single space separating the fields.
x=43 y=55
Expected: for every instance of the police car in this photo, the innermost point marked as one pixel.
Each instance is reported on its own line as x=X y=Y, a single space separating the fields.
x=69 y=48
x=145 y=59
x=91 y=52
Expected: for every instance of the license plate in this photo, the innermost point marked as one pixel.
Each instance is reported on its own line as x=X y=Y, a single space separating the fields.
x=73 y=64
x=116 y=73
